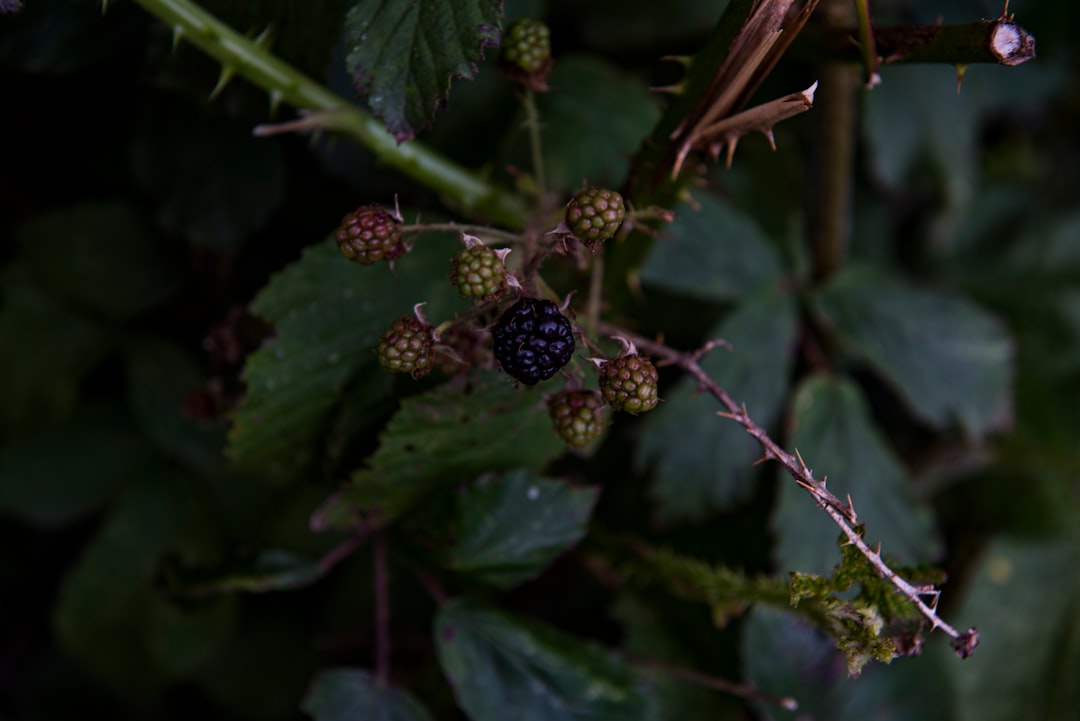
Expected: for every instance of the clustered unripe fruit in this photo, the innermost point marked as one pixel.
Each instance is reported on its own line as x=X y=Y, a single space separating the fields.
x=577 y=416
x=526 y=45
x=594 y=215
x=533 y=340
x=408 y=347
x=478 y=273
x=370 y=234
x=629 y=383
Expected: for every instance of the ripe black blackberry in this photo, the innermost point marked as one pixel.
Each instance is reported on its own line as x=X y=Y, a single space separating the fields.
x=533 y=340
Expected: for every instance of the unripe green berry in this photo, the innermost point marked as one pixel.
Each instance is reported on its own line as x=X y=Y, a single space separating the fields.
x=526 y=45
x=408 y=347
x=479 y=273
x=594 y=215
x=577 y=416
x=629 y=384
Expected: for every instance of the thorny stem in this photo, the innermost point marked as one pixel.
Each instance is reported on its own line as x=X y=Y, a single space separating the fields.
x=841 y=512
x=382 y=611
x=718 y=684
x=1000 y=42
x=239 y=54
x=532 y=123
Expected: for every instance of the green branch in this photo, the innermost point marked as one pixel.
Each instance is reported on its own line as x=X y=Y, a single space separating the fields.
x=238 y=54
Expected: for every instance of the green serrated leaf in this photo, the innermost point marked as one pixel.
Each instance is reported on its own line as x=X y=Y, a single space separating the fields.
x=328 y=314
x=509 y=529
x=786 y=656
x=496 y=662
x=1024 y=600
x=353 y=694
x=950 y=360
x=104 y=256
x=835 y=434
x=214 y=205
x=111 y=617
x=48 y=350
x=712 y=252
x=447 y=436
x=594 y=118
x=402 y=54
x=59 y=476
x=703 y=462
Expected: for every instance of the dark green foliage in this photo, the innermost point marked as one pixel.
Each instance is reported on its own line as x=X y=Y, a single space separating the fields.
x=496 y=662
x=445 y=437
x=504 y=530
x=342 y=695
x=402 y=55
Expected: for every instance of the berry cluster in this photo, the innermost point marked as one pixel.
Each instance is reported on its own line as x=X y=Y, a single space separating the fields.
x=531 y=340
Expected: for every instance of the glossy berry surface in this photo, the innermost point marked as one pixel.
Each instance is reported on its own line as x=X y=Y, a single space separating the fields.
x=533 y=340
x=478 y=273
x=527 y=45
x=629 y=384
x=595 y=214
x=407 y=347
x=577 y=416
x=370 y=234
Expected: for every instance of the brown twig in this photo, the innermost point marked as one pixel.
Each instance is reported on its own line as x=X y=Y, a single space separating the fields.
x=768 y=31
x=841 y=512
x=760 y=118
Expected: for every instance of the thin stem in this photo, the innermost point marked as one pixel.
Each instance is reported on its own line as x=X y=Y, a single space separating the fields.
x=532 y=123
x=596 y=289
x=504 y=236
x=474 y=195
x=867 y=43
x=842 y=513
x=382 y=610
x=718 y=684
x=834 y=164
x=340 y=552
